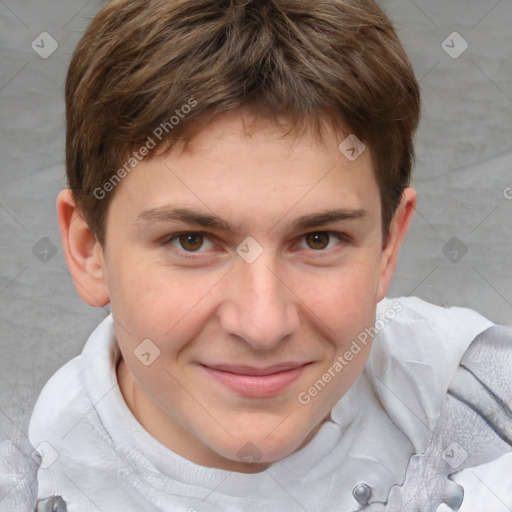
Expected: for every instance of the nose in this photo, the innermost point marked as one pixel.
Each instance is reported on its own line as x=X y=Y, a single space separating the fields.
x=260 y=307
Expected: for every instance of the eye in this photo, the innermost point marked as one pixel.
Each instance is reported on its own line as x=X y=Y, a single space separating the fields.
x=187 y=242
x=320 y=240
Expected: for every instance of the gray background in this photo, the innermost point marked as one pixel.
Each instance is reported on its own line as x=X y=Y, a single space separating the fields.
x=464 y=161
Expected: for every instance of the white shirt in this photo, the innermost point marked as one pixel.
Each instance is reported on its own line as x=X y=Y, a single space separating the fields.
x=97 y=456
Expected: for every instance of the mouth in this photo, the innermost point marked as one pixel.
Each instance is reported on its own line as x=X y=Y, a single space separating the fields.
x=250 y=370
x=256 y=382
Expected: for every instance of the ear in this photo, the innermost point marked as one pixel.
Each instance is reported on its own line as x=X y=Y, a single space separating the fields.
x=84 y=254
x=398 y=229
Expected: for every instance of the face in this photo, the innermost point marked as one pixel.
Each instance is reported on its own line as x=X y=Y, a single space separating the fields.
x=222 y=256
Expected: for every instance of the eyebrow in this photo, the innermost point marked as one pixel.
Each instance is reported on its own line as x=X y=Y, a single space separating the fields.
x=193 y=217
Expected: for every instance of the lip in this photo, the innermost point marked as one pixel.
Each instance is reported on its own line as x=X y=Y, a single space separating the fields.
x=256 y=382
x=251 y=370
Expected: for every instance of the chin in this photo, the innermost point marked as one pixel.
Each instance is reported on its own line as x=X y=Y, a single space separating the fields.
x=261 y=450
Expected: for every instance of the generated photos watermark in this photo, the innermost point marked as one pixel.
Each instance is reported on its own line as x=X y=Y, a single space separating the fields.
x=342 y=361
x=152 y=140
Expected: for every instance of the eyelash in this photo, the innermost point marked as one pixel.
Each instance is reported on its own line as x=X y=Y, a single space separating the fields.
x=191 y=255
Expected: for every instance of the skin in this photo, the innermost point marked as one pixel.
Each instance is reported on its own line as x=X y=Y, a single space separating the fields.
x=303 y=299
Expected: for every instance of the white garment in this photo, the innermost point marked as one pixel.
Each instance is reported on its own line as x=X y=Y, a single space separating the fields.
x=107 y=461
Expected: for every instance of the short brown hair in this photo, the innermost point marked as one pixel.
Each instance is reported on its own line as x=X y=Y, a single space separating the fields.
x=141 y=61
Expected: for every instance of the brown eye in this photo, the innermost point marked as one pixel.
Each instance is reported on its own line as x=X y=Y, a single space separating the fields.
x=190 y=244
x=318 y=241
x=191 y=241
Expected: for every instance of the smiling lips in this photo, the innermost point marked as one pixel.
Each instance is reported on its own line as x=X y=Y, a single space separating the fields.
x=249 y=370
x=256 y=382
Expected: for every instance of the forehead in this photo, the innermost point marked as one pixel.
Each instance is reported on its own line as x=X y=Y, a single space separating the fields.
x=250 y=171
x=243 y=130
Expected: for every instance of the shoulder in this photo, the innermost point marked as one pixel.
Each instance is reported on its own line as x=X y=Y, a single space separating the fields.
x=410 y=330
x=410 y=308
x=416 y=351
x=66 y=398
x=60 y=402
x=484 y=384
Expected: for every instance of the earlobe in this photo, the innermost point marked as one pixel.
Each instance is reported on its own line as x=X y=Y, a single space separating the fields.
x=83 y=252
x=399 y=226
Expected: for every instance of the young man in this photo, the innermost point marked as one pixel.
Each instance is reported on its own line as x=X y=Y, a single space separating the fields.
x=239 y=188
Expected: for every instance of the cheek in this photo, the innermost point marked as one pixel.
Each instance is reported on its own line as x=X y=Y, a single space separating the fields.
x=158 y=302
x=138 y=293
x=348 y=308
x=344 y=299
x=133 y=288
